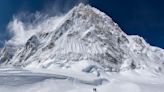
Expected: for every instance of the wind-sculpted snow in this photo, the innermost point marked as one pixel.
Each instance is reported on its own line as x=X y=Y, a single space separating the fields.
x=84 y=35
x=15 y=77
x=19 y=80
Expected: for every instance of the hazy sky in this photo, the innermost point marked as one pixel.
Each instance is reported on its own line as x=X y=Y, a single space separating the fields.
x=140 y=17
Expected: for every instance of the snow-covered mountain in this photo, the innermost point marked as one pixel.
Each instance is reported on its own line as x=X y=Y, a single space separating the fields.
x=85 y=39
x=81 y=51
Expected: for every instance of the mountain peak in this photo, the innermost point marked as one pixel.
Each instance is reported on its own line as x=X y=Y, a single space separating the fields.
x=87 y=10
x=90 y=37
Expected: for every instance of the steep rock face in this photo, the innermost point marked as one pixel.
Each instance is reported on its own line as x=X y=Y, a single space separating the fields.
x=86 y=34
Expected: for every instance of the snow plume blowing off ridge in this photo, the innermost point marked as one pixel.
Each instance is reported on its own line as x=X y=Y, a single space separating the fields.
x=24 y=25
x=22 y=31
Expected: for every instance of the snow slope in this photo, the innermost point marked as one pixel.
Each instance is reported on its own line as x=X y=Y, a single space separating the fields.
x=18 y=80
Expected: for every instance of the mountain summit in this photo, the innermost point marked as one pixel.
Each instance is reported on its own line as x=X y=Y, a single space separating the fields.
x=85 y=39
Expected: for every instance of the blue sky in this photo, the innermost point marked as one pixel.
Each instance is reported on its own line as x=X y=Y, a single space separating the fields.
x=139 y=17
x=9 y=8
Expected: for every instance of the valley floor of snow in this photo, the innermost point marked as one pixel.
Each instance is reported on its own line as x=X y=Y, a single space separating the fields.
x=62 y=80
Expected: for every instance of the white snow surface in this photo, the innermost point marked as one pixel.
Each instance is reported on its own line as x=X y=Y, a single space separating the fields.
x=76 y=52
x=18 y=80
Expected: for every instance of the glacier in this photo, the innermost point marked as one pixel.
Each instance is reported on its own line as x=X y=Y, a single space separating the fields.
x=79 y=51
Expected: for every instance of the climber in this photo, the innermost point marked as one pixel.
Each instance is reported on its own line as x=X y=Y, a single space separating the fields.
x=94 y=90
